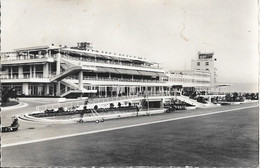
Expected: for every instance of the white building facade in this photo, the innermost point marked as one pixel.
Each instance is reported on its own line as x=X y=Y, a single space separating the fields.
x=82 y=71
x=205 y=62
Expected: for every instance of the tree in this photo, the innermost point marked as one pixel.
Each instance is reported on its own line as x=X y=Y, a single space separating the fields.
x=228 y=97
x=235 y=96
x=8 y=93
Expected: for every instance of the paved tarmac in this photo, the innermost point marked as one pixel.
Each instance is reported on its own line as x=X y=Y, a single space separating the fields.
x=29 y=131
x=141 y=145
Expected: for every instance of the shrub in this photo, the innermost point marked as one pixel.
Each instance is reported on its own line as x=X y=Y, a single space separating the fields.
x=95 y=107
x=112 y=105
x=61 y=109
x=201 y=100
x=129 y=104
x=119 y=104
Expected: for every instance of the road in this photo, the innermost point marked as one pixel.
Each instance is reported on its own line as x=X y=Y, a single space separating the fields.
x=222 y=139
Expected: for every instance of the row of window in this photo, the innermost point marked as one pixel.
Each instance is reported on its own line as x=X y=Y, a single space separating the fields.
x=206 y=63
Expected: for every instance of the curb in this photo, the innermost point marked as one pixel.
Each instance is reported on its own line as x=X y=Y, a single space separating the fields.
x=93 y=118
x=20 y=105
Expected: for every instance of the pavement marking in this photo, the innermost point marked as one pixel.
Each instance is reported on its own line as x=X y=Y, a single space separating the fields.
x=122 y=127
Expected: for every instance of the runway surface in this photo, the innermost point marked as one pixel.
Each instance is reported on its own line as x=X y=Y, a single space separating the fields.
x=224 y=139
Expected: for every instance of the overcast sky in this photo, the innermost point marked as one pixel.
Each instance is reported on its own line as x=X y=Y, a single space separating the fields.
x=170 y=32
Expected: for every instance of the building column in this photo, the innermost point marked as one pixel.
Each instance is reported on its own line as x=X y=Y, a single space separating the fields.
x=175 y=92
x=20 y=72
x=58 y=89
x=46 y=70
x=46 y=54
x=25 y=88
x=161 y=103
x=105 y=91
x=163 y=89
x=49 y=69
x=58 y=64
x=47 y=89
x=11 y=69
x=34 y=71
x=117 y=91
x=30 y=71
x=80 y=78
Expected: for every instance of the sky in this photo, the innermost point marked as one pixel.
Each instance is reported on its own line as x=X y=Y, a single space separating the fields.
x=170 y=32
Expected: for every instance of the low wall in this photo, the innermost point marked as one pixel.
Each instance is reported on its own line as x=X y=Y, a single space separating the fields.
x=94 y=118
x=43 y=99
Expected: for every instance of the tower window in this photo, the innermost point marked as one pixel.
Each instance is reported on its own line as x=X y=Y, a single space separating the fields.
x=198 y=63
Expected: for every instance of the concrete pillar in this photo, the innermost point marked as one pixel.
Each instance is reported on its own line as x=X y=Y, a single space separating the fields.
x=11 y=69
x=175 y=92
x=161 y=103
x=25 y=88
x=20 y=72
x=80 y=77
x=46 y=55
x=47 y=89
x=46 y=70
x=58 y=64
x=58 y=89
x=31 y=71
x=34 y=71
x=50 y=69
x=163 y=89
x=117 y=91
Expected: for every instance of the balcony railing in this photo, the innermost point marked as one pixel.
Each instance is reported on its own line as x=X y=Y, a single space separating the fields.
x=109 y=62
x=25 y=76
x=12 y=58
x=118 y=79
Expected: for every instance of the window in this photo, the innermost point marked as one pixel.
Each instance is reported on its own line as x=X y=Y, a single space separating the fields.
x=198 y=63
x=207 y=69
x=207 y=63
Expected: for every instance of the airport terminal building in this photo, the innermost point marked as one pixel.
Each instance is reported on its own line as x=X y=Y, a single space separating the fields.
x=82 y=71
